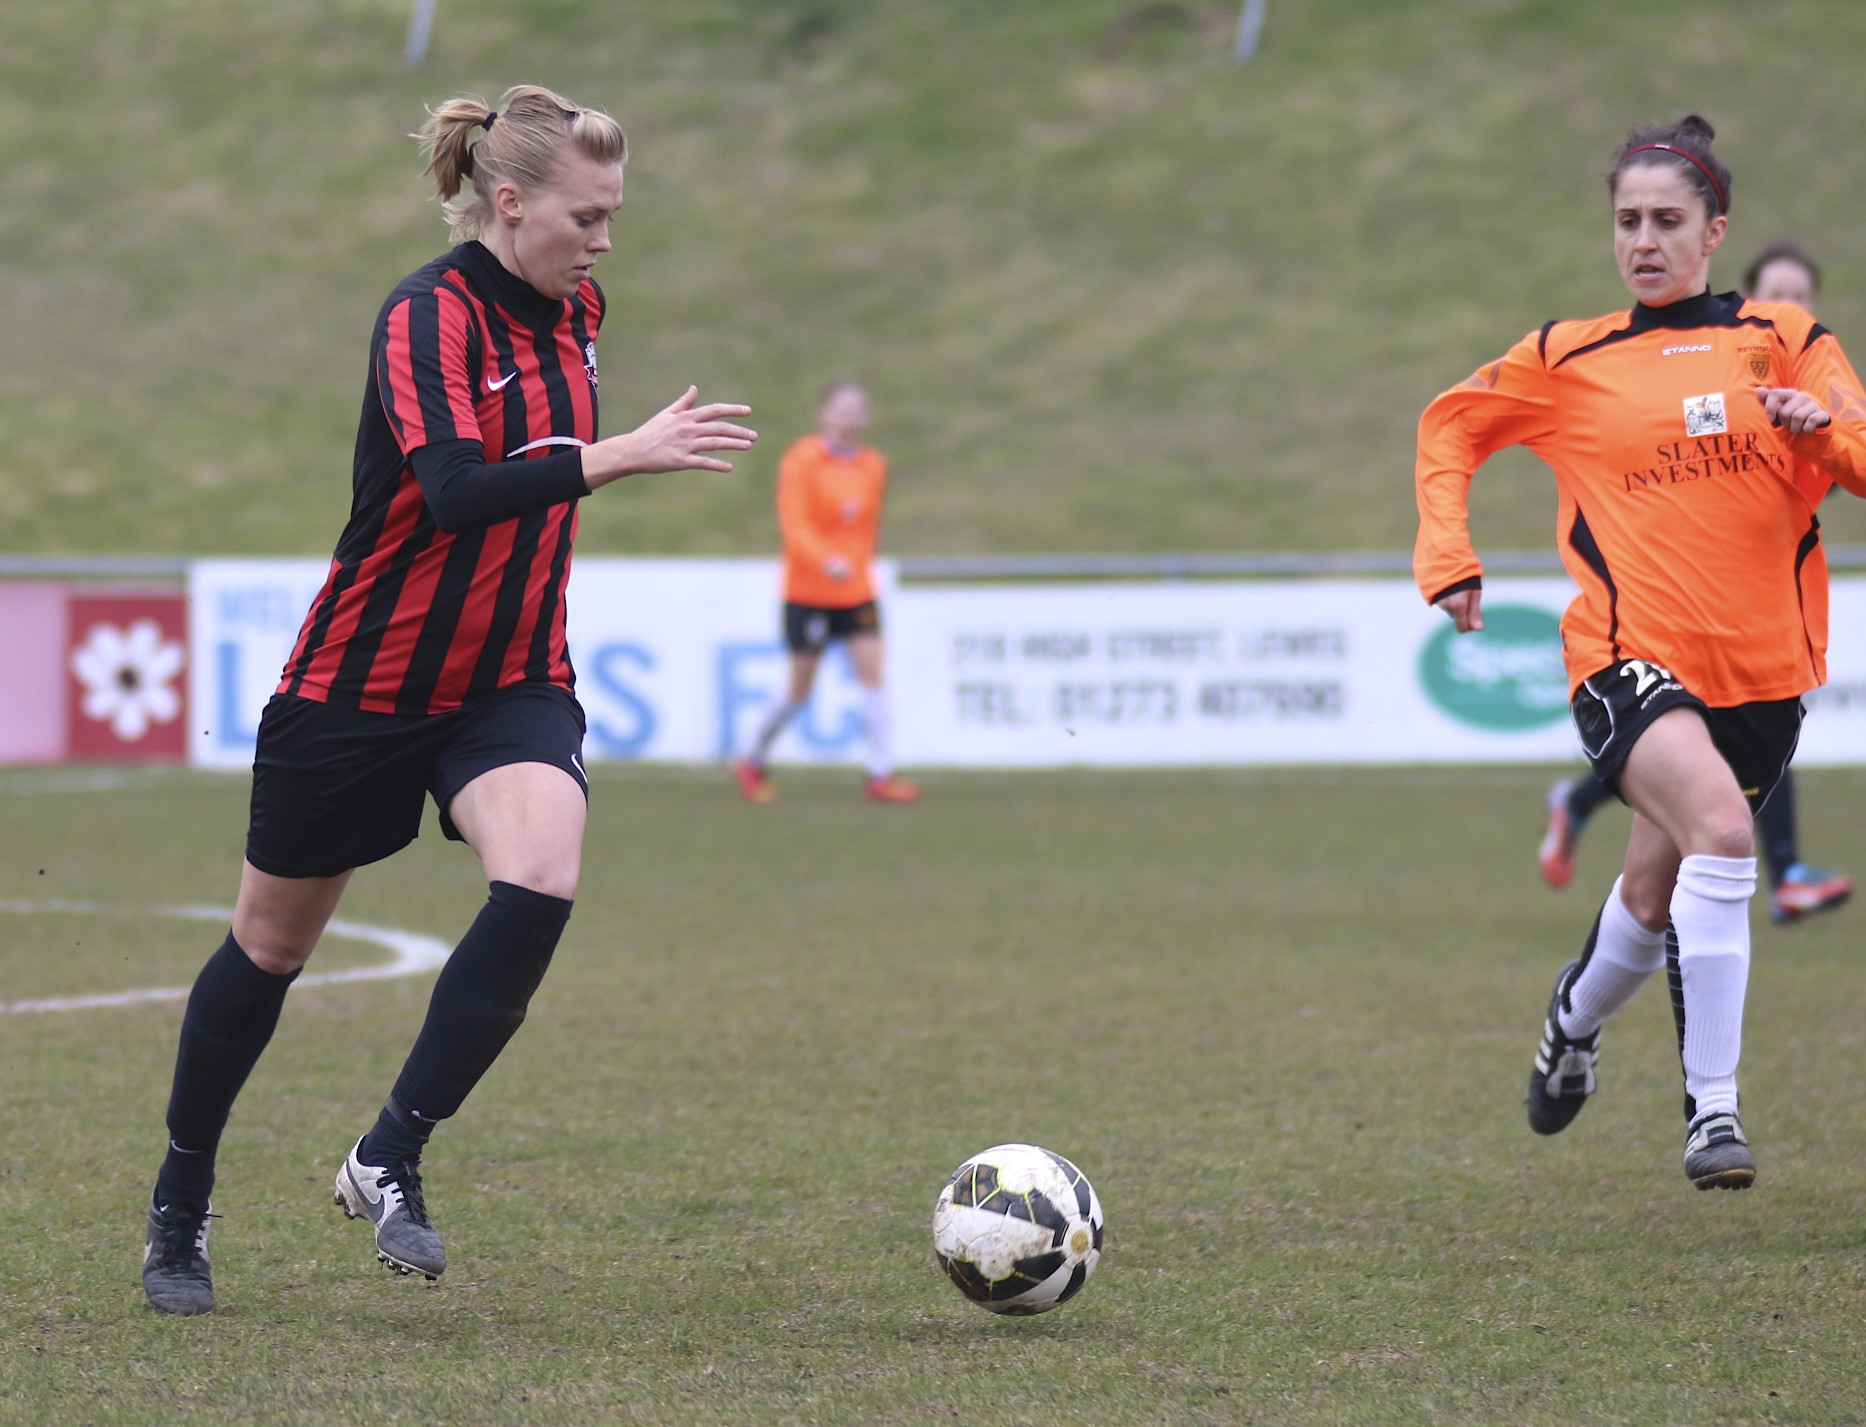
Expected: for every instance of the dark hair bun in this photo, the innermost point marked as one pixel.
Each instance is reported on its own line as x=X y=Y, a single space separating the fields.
x=1697 y=126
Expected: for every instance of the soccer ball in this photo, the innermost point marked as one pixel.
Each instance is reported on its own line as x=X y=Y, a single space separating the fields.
x=1017 y=1229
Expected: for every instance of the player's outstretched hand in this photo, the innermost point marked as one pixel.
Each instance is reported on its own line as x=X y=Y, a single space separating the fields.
x=1795 y=410
x=677 y=438
x=1466 y=609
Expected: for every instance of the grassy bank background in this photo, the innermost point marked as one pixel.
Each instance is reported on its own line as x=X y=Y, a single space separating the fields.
x=1112 y=291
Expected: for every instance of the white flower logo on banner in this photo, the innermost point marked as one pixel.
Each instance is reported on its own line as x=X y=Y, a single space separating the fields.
x=127 y=676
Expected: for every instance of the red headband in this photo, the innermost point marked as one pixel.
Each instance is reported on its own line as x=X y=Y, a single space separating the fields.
x=1723 y=202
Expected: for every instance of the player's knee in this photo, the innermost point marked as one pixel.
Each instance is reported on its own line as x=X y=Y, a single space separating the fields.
x=531 y=921
x=1730 y=835
x=540 y=911
x=1648 y=899
x=550 y=879
x=1726 y=829
x=273 y=949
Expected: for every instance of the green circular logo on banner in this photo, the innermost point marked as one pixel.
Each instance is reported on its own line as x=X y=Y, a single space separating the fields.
x=1507 y=677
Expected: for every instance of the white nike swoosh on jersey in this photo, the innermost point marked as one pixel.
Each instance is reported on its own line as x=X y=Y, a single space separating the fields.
x=543 y=441
x=494 y=386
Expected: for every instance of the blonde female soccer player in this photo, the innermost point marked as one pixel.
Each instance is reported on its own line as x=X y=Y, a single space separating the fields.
x=433 y=661
x=1691 y=437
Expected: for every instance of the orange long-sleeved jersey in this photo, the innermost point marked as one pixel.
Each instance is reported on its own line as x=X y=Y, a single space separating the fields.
x=829 y=508
x=1686 y=519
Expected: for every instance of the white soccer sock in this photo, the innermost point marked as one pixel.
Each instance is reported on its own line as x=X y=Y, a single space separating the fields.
x=880 y=733
x=1710 y=909
x=769 y=730
x=1625 y=954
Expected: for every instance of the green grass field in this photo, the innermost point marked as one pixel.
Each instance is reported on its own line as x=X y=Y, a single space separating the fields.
x=1282 y=1019
x=1113 y=292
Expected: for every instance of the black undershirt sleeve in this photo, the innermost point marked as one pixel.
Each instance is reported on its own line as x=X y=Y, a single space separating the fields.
x=1476 y=582
x=464 y=490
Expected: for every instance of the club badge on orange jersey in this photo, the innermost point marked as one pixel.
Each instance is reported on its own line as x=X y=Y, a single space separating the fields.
x=1758 y=358
x=589 y=363
x=1704 y=415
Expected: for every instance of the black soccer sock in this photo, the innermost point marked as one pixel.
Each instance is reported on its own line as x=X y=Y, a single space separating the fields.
x=1585 y=797
x=478 y=1002
x=399 y=1135
x=231 y=1014
x=1777 y=821
x=1675 y=982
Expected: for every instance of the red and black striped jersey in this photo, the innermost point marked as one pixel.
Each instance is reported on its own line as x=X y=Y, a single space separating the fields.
x=431 y=601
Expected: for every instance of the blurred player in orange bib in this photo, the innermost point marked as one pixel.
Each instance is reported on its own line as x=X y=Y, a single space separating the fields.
x=1691 y=438
x=830 y=490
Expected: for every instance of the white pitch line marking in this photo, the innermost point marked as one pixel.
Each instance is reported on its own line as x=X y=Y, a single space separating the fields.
x=412 y=954
x=97 y=780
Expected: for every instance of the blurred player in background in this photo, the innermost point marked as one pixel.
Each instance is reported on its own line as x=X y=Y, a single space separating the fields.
x=433 y=661
x=830 y=490
x=1691 y=439
x=1782 y=272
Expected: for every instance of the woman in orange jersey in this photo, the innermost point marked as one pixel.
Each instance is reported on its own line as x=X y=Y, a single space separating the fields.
x=1783 y=271
x=1691 y=437
x=830 y=489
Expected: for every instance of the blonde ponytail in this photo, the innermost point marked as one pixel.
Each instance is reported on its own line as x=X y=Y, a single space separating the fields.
x=521 y=144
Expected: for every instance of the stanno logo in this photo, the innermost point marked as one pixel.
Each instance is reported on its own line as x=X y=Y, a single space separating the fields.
x=1693 y=347
x=1704 y=415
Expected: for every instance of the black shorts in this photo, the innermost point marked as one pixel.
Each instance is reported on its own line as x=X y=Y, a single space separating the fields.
x=1614 y=707
x=808 y=628
x=336 y=788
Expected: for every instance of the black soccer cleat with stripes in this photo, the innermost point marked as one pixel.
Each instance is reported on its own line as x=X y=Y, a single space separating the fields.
x=1717 y=1153
x=1563 y=1076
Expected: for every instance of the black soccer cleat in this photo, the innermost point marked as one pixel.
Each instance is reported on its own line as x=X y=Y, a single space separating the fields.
x=176 y=1274
x=390 y=1197
x=1563 y=1077
x=1717 y=1153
